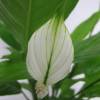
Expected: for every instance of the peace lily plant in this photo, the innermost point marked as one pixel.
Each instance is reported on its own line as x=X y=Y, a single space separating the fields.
x=50 y=54
x=42 y=51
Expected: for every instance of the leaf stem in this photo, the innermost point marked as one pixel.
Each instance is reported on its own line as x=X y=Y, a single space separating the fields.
x=24 y=95
x=33 y=91
x=81 y=93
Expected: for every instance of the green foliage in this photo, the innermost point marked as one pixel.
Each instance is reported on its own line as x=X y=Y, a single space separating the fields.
x=65 y=87
x=25 y=16
x=14 y=68
x=87 y=49
x=13 y=71
x=20 y=19
x=93 y=91
x=8 y=38
x=10 y=88
x=85 y=27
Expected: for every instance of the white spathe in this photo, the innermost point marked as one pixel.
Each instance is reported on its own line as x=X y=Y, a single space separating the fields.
x=50 y=48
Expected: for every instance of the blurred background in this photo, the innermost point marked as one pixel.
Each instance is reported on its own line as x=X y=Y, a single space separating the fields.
x=83 y=10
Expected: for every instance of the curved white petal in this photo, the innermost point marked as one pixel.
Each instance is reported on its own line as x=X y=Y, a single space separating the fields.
x=50 y=47
x=62 y=57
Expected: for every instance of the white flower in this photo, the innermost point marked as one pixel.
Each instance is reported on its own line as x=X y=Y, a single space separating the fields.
x=50 y=55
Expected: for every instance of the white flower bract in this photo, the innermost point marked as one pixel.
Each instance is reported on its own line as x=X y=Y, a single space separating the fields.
x=50 y=53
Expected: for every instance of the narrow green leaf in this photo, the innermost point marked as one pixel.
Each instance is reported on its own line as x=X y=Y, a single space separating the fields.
x=85 y=27
x=8 y=38
x=10 y=88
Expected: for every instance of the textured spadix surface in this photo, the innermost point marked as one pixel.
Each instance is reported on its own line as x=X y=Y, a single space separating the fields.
x=50 y=52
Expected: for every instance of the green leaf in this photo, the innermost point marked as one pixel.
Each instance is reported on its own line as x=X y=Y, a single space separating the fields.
x=87 y=49
x=87 y=61
x=70 y=5
x=93 y=91
x=8 y=38
x=85 y=27
x=9 y=88
x=91 y=81
x=88 y=67
x=91 y=69
x=23 y=17
x=65 y=88
x=13 y=70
